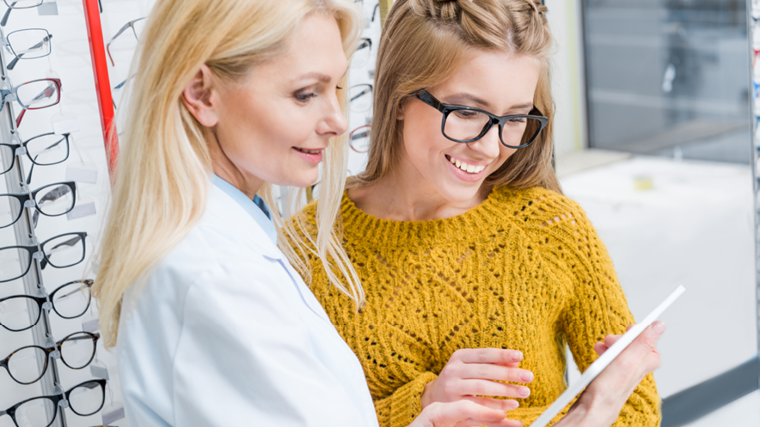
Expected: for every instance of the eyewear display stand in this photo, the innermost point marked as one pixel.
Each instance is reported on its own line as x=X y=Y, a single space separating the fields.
x=33 y=284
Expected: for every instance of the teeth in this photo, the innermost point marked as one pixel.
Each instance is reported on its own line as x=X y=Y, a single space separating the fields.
x=303 y=150
x=465 y=167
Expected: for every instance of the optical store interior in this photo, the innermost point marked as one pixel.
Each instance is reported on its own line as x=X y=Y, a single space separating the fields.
x=655 y=137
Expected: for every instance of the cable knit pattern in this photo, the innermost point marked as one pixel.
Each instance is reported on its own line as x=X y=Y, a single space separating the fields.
x=524 y=270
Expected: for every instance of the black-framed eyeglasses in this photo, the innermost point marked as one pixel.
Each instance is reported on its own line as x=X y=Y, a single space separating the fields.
x=50 y=200
x=83 y=399
x=136 y=25
x=75 y=350
x=30 y=43
x=468 y=124
x=362 y=54
x=17 y=4
x=360 y=97
x=61 y=251
x=42 y=150
x=70 y=300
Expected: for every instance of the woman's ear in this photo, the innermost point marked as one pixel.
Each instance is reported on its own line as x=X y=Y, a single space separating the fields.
x=400 y=112
x=201 y=97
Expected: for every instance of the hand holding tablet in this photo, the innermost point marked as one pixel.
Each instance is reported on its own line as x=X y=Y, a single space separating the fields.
x=599 y=366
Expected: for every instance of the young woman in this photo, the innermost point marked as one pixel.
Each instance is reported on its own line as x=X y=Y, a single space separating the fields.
x=214 y=326
x=472 y=260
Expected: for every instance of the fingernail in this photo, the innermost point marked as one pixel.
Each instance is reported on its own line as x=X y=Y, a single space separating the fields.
x=524 y=391
x=517 y=355
x=526 y=376
x=659 y=327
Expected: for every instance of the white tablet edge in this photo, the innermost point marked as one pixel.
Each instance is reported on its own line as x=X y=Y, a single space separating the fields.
x=604 y=360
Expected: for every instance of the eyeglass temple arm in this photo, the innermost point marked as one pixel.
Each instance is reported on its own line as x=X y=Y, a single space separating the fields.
x=44 y=40
x=118 y=33
x=427 y=98
x=3 y=412
x=7 y=15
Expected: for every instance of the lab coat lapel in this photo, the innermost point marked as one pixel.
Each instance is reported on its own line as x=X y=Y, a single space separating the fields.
x=239 y=223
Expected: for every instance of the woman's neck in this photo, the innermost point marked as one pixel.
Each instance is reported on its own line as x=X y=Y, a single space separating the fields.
x=404 y=195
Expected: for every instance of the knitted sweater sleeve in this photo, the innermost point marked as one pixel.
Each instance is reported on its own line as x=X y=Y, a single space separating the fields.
x=404 y=405
x=596 y=305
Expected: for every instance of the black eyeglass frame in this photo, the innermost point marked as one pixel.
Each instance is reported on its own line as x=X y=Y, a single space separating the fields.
x=447 y=109
x=24 y=197
x=33 y=249
x=57 y=398
x=24 y=145
x=59 y=348
x=47 y=303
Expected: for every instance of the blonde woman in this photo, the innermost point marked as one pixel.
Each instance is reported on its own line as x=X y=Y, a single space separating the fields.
x=477 y=271
x=211 y=324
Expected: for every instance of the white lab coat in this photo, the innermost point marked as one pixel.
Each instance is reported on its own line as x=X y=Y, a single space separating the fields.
x=225 y=333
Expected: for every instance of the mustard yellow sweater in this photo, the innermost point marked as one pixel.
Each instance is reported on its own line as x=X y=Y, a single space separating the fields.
x=524 y=270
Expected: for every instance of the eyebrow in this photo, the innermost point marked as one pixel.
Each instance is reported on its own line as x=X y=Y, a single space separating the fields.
x=324 y=78
x=484 y=103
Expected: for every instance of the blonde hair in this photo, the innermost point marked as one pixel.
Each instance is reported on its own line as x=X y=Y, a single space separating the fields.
x=438 y=35
x=162 y=181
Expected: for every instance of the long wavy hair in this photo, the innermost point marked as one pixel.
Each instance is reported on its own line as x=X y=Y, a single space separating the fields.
x=162 y=181
x=438 y=35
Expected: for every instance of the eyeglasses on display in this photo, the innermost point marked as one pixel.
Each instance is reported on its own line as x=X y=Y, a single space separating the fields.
x=42 y=150
x=83 y=399
x=358 y=139
x=76 y=351
x=362 y=54
x=50 y=200
x=61 y=251
x=468 y=124
x=360 y=97
x=33 y=95
x=136 y=25
x=31 y=43
x=69 y=301
x=17 y=4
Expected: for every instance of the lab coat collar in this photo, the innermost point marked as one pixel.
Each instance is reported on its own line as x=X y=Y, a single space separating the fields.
x=234 y=219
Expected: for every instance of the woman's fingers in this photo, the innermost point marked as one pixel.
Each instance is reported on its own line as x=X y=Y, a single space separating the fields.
x=464 y=412
x=600 y=348
x=491 y=388
x=495 y=372
x=496 y=356
x=489 y=402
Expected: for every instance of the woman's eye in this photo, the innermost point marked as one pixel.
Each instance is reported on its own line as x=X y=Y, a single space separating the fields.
x=304 y=96
x=467 y=114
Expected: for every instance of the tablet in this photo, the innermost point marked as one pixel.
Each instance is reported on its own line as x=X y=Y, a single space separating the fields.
x=605 y=359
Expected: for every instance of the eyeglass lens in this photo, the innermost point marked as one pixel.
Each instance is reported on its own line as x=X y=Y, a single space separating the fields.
x=360 y=97
x=71 y=300
x=65 y=250
x=48 y=149
x=465 y=125
x=19 y=313
x=38 y=94
x=38 y=412
x=29 y=44
x=362 y=54
x=78 y=350
x=14 y=263
x=27 y=365
x=86 y=399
